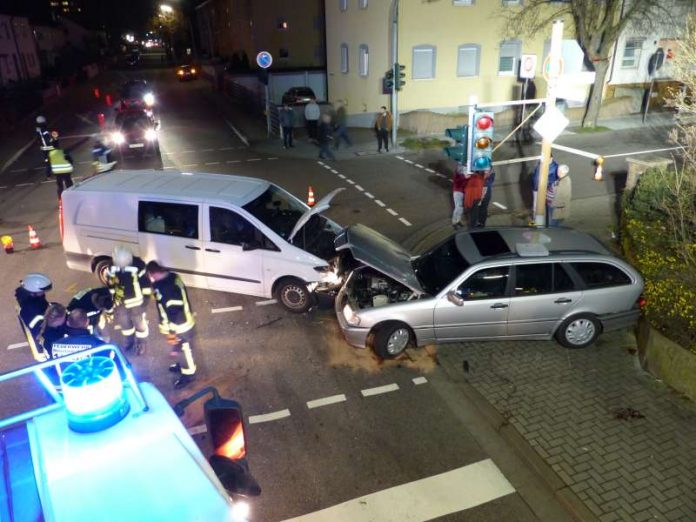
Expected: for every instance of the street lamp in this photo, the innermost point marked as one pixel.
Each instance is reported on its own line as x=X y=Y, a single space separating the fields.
x=166 y=8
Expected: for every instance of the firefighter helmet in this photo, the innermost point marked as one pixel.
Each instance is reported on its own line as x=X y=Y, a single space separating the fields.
x=36 y=282
x=41 y=120
x=122 y=256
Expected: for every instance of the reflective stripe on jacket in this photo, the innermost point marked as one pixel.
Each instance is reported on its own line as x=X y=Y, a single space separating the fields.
x=173 y=305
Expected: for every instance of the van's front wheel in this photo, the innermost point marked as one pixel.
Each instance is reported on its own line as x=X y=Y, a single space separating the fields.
x=101 y=270
x=293 y=295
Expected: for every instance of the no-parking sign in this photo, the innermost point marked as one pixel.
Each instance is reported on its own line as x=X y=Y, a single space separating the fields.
x=528 y=64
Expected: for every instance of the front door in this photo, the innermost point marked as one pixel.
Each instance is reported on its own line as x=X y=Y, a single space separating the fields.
x=234 y=255
x=483 y=310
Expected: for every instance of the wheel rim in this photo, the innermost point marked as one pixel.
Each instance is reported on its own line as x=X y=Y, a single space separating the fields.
x=397 y=341
x=102 y=273
x=294 y=296
x=580 y=331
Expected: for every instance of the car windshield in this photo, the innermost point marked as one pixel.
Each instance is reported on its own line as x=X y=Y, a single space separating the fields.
x=276 y=209
x=437 y=268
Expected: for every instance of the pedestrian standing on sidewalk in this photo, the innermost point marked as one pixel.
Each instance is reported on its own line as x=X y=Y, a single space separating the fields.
x=383 y=126
x=560 y=205
x=287 y=124
x=340 y=125
x=553 y=177
x=488 y=180
x=458 y=187
x=312 y=112
x=325 y=137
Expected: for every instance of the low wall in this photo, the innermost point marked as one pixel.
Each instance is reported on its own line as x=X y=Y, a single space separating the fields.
x=667 y=360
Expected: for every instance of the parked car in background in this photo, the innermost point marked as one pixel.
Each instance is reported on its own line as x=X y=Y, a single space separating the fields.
x=298 y=96
x=506 y=283
x=186 y=72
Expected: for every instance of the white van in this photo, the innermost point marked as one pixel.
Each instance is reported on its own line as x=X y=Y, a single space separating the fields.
x=222 y=232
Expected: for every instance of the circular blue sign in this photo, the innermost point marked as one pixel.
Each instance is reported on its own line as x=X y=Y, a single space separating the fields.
x=264 y=59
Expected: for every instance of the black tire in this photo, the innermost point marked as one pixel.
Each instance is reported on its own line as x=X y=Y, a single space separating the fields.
x=101 y=268
x=579 y=331
x=391 y=339
x=293 y=294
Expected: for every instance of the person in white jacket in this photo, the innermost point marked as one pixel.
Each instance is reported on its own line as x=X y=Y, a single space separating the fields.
x=311 y=114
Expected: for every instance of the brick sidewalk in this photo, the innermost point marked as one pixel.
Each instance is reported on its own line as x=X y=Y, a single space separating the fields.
x=565 y=403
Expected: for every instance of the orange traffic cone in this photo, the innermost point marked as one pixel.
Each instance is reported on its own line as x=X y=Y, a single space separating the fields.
x=310 y=196
x=34 y=241
x=7 y=244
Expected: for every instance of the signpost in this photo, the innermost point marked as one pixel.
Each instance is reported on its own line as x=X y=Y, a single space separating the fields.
x=265 y=60
x=528 y=64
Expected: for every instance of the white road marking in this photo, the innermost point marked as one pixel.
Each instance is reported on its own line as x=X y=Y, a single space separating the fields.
x=399 y=157
x=17 y=345
x=239 y=134
x=419 y=380
x=234 y=161
x=213 y=163
x=369 y=195
x=266 y=303
x=271 y=159
x=440 y=174
x=16 y=156
x=228 y=148
x=641 y=152
x=425 y=499
x=350 y=181
x=392 y=212
x=320 y=163
x=196 y=430
x=254 y=159
x=379 y=202
x=207 y=150
x=19 y=170
x=334 y=171
x=170 y=167
x=327 y=167
x=3 y=187
x=325 y=401
x=409 y=162
x=23 y=184
x=405 y=222
x=430 y=170
x=419 y=165
x=500 y=205
x=227 y=309
x=49 y=181
x=359 y=188
x=379 y=390
x=191 y=165
x=257 y=419
x=341 y=176
x=168 y=153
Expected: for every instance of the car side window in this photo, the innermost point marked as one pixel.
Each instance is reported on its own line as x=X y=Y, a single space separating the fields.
x=601 y=275
x=488 y=283
x=230 y=228
x=171 y=219
x=562 y=282
x=535 y=279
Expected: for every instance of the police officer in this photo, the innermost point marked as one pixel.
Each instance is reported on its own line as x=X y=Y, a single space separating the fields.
x=61 y=165
x=99 y=306
x=45 y=141
x=176 y=320
x=130 y=288
x=54 y=327
x=31 y=308
x=78 y=337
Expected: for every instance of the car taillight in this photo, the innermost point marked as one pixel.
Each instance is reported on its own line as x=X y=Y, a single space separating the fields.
x=642 y=302
x=60 y=218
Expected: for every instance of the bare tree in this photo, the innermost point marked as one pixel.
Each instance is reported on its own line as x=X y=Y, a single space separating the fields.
x=597 y=25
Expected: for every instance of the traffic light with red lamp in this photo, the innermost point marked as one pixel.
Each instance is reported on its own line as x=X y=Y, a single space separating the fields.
x=482 y=141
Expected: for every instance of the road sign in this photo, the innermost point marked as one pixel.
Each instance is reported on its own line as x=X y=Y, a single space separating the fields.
x=528 y=66
x=264 y=59
x=551 y=124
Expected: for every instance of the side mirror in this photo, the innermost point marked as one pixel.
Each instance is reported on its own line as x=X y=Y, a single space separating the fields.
x=453 y=298
x=251 y=245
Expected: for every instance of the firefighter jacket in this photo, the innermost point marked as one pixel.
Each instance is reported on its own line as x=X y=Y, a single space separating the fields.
x=84 y=300
x=173 y=305
x=77 y=340
x=31 y=310
x=129 y=286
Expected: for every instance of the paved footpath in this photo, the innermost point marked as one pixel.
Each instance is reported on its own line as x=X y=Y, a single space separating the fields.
x=624 y=443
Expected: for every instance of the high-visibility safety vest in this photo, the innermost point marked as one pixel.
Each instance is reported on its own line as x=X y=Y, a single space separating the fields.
x=173 y=305
x=129 y=285
x=59 y=165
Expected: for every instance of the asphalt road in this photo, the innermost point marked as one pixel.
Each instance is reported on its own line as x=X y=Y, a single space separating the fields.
x=327 y=424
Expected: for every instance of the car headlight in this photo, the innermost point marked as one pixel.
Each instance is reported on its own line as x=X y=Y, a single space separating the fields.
x=193 y=71
x=117 y=138
x=350 y=316
x=180 y=72
x=151 y=134
x=240 y=511
x=149 y=99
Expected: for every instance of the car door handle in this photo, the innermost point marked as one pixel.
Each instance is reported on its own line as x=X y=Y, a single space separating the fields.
x=191 y=247
x=563 y=300
x=212 y=250
x=499 y=306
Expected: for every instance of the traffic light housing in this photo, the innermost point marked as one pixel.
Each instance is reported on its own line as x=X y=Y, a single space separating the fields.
x=399 y=76
x=482 y=141
x=389 y=79
x=460 y=136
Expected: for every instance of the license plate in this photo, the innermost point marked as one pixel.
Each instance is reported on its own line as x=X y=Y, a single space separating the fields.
x=136 y=145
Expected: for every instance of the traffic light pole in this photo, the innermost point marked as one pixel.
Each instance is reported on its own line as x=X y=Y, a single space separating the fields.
x=554 y=71
x=395 y=60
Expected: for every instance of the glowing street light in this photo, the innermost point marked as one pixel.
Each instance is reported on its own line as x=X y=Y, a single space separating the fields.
x=166 y=8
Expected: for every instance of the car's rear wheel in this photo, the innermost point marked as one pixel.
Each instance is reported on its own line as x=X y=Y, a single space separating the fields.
x=101 y=270
x=293 y=294
x=579 y=331
x=391 y=339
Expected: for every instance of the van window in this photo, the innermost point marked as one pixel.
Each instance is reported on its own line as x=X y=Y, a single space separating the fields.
x=229 y=227
x=601 y=275
x=170 y=219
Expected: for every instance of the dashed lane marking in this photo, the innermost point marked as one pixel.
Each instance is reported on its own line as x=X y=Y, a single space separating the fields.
x=334 y=171
x=369 y=392
x=419 y=165
x=358 y=187
x=271 y=159
x=369 y=195
x=49 y=181
x=227 y=309
x=3 y=187
x=19 y=170
x=207 y=150
x=327 y=167
x=500 y=205
x=380 y=203
x=399 y=157
x=15 y=346
x=326 y=401
x=320 y=163
x=191 y=165
x=430 y=170
x=392 y=212
x=350 y=181
x=419 y=380
x=405 y=222
x=254 y=159
x=268 y=417
x=266 y=303
x=409 y=162
x=169 y=167
x=234 y=161
x=23 y=184
x=213 y=163
x=227 y=148
x=341 y=176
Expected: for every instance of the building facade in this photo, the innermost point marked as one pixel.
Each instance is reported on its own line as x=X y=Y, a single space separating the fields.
x=19 y=59
x=294 y=35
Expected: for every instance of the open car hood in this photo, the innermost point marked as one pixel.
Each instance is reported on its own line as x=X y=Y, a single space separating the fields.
x=323 y=204
x=381 y=253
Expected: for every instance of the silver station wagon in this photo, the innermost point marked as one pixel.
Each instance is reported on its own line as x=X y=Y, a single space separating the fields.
x=488 y=284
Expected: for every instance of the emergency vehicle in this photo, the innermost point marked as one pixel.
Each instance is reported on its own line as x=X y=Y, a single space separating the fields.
x=106 y=447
